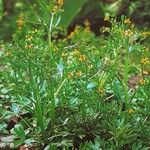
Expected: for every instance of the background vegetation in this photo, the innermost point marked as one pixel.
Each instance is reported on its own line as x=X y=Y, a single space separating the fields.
x=75 y=74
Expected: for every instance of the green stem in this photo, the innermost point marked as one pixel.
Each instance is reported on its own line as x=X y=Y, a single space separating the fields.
x=50 y=30
x=126 y=80
x=51 y=86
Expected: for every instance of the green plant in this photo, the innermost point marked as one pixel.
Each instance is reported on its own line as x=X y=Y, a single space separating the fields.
x=76 y=92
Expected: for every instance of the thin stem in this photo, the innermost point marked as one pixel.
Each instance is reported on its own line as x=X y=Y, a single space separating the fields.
x=59 y=88
x=50 y=29
x=126 y=80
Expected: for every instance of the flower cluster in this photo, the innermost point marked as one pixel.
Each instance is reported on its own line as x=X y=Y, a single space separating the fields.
x=60 y=2
x=105 y=29
x=145 y=34
x=107 y=18
x=142 y=82
x=128 y=33
x=29 y=37
x=29 y=46
x=130 y=111
x=79 y=73
x=70 y=75
x=145 y=61
x=87 y=26
x=70 y=36
x=57 y=5
x=101 y=90
x=82 y=58
x=127 y=21
x=20 y=22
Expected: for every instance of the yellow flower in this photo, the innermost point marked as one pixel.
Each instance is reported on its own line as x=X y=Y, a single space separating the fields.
x=82 y=58
x=77 y=27
x=145 y=61
x=34 y=31
x=90 y=66
x=145 y=72
x=29 y=46
x=87 y=23
x=87 y=26
x=20 y=22
x=60 y=2
x=127 y=21
x=79 y=73
x=130 y=111
x=8 y=54
x=105 y=29
x=87 y=29
x=128 y=32
x=145 y=34
x=64 y=54
x=107 y=18
x=71 y=35
x=76 y=52
x=142 y=82
x=101 y=90
x=29 y=37
x=70 y=75
x=76 y=30
x=55 y=9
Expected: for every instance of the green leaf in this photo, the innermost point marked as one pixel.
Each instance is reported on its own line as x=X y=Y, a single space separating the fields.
x=20 y=132
x=71 y=7
x=90 y=86
x=60 y=67
x=116 y=86
x=15 y=108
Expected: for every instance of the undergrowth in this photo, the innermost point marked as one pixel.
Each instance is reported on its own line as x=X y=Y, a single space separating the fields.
x=82 y=91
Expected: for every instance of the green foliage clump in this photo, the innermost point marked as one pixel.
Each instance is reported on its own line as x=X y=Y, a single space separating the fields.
x=81 y=91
